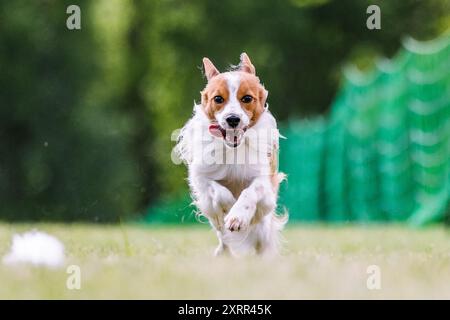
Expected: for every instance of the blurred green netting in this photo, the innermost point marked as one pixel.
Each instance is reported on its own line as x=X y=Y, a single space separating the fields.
x=383 y=152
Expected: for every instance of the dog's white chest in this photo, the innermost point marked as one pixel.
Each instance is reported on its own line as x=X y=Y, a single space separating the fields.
x=230 y=172
x=235 y=177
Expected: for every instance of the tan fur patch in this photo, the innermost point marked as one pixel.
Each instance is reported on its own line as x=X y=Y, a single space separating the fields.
x=251 y=86
x=217 y=86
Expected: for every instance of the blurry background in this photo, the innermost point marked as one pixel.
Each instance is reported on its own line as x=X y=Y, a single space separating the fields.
x=86 y=116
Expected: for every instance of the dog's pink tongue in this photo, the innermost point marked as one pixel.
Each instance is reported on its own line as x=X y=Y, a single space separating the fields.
x=214 y=129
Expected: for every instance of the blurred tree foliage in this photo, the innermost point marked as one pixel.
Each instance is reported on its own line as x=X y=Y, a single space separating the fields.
x=86 y=116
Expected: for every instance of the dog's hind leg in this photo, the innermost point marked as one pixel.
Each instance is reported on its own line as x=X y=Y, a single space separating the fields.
x=268 y=235
x=222 y=248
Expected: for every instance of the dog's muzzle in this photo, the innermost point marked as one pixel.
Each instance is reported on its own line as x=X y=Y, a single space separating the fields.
x=232 y=137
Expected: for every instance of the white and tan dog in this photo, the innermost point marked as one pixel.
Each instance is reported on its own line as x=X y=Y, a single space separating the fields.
x=230 y=146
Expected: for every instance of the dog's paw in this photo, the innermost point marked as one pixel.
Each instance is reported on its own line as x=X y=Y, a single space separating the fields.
x=236 y=222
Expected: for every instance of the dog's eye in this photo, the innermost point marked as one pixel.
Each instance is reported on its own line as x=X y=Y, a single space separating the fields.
x=247 y=99
x=219 y=99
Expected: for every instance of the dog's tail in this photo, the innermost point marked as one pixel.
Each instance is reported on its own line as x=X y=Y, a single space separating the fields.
x=280 y=219
x=281 y=176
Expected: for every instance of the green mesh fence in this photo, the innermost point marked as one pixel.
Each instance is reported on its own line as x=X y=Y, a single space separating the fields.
x=382 y=154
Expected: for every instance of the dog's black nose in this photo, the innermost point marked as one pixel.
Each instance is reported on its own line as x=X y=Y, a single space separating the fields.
x=233 y=121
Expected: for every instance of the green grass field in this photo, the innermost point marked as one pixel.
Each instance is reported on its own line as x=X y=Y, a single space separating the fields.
x=176 y=262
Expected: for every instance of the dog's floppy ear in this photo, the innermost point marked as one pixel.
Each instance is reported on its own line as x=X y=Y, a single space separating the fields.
x=210 y=70
x=246 y=65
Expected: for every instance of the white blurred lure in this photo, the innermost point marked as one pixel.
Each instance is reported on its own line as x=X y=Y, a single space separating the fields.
x=36 y=248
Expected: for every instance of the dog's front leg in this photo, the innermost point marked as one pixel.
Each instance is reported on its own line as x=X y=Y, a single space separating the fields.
x=258 y=198
x=212 y=199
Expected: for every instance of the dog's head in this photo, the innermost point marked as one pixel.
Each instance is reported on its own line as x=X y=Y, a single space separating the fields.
x=233 y=101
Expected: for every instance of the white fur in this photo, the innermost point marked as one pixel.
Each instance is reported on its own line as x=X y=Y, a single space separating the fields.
x=36 y=248
x=231 y=189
